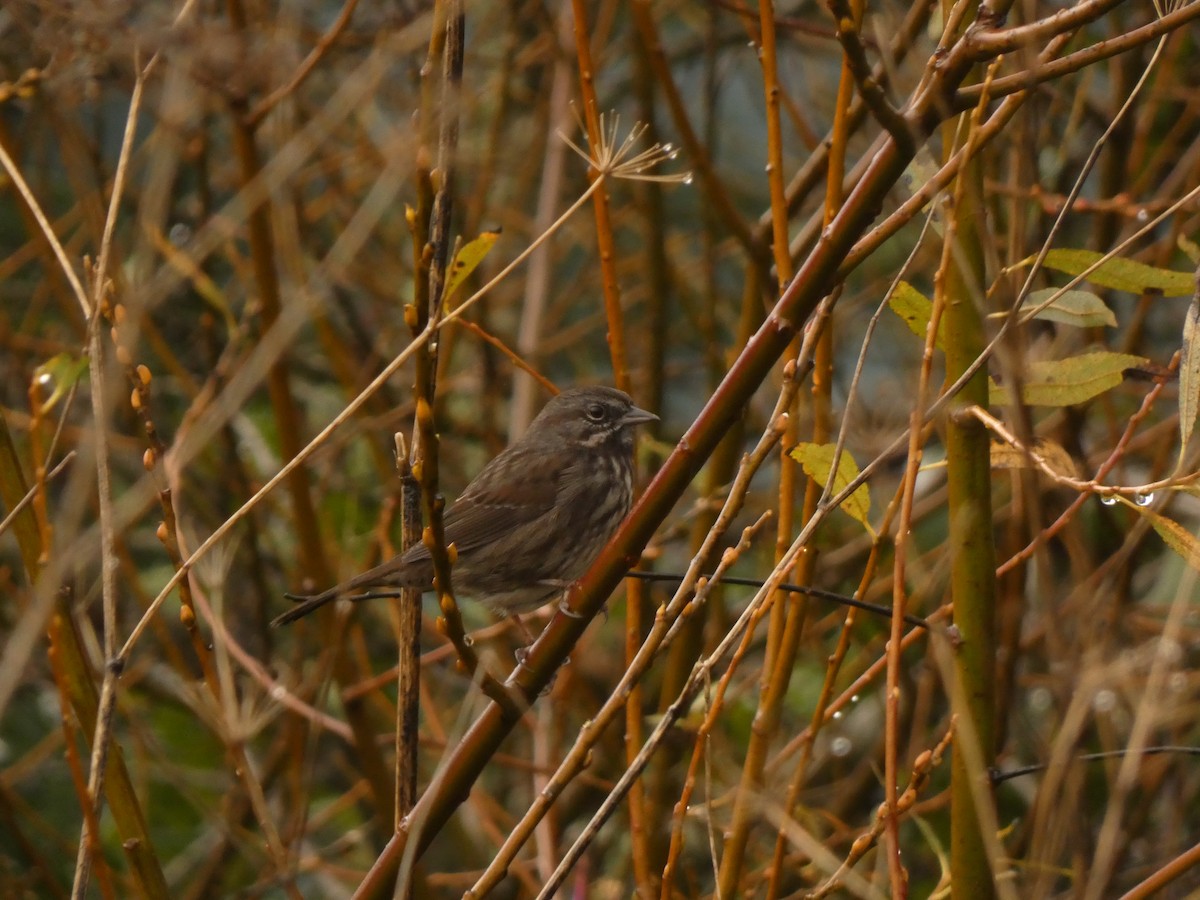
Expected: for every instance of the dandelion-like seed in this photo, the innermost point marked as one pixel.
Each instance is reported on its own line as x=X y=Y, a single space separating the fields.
x=618 y=159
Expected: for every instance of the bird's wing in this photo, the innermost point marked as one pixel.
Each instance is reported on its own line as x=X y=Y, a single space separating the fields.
x=511 y=491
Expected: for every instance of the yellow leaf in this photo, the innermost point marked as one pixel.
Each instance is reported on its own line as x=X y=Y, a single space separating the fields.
x=1055 y=456
x=465 y=261
x=1173 y=534
x=817 y=460
x=1121 y=274
x=915 y=309
x=1066 y=382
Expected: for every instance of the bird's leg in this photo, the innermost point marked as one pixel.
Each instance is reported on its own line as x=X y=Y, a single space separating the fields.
x=570 y=613
x=522 y=653
x=565 y=587
x=522 y=627
x=566 y=610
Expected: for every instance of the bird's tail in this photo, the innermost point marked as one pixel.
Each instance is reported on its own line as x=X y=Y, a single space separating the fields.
x=306 y=605
x=391 y=575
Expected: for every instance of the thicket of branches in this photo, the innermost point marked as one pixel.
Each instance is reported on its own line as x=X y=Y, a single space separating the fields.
x=911 y=288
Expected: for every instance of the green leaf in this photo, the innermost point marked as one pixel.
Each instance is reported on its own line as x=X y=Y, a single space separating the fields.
x=1121 y=274
x=817 y=460
x=58 y=374
x=1082 y=309
x=916 y=310
x=465 y=261
x=1066 y=382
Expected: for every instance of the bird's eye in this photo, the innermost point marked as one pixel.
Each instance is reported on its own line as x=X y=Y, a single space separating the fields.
x=595 y=412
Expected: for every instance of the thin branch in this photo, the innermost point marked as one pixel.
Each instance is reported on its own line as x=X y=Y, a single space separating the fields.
x=47 y=229
x=788 y=588
x=1053 y=69
x=108 y=557
x=873 y=94
x=323 y=45
x=594 y=124
x=999 y=776
x=7 y=521
x=983 y=41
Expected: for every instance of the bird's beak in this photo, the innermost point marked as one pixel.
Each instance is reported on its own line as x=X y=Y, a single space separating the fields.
x=637 y=416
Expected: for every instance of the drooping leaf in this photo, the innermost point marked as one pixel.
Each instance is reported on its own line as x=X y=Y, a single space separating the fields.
x=1082 y=309
x=1006 y=456
x=465 y=261
x=1121 y=274
x=916 y=310
x=1065 y=382
x=1178 y=538
x=1189 y=371
x=58 y=374
x=817 y=460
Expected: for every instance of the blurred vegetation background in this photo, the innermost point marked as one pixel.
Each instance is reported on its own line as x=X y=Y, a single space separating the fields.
x=221 y=222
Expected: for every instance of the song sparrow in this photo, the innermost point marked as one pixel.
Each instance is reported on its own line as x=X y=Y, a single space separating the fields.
x=535 y=517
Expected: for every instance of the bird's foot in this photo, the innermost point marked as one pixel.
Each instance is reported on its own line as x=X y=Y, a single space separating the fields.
x=567 y=611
